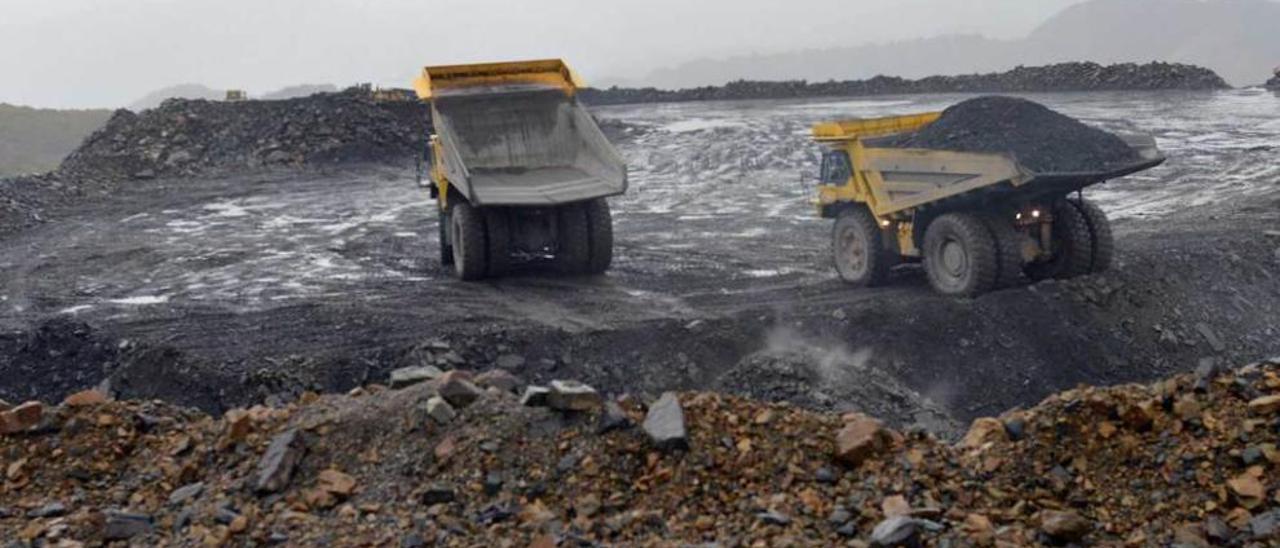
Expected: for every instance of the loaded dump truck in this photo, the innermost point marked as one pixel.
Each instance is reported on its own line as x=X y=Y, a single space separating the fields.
x=978 y=221
x=518 y=168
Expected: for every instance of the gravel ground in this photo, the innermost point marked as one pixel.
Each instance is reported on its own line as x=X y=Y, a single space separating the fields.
x=223 y=291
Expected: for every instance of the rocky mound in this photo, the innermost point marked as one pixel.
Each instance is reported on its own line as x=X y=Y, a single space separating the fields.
x=1042 y=139
x=1059 y=77
x=188 y=137
x=1273 y=83
x=456 y=459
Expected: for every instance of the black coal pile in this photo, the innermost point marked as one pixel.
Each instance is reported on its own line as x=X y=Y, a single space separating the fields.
x=1274 y=82
x=56 y=358
x=1043 y=140
x=1059 y=77
x=188 y=137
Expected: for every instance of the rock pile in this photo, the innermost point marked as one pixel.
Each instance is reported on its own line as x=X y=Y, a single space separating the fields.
x=1059 y=77
x=1274 y=82
x=1190 y=461
x=1041 y=139
x=188 y=137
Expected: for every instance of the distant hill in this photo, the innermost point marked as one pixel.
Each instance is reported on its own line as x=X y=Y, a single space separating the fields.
x=303 y=90
x=180 y=91
x=35 y=140
x=1238 y=39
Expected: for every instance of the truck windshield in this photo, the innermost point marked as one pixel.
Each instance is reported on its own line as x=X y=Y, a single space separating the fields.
x=835 y=167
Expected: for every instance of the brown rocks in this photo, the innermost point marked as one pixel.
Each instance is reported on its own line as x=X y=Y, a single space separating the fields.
x=21 y=418
x=499 y=379
x=277 y=464
x=984 y=431
x=456 y=388
x=1248 y=490
x=440 y=411
x=336 y=482
x=85 y=398
x=1064 y=525
x=861 y=438
x=1266 y=405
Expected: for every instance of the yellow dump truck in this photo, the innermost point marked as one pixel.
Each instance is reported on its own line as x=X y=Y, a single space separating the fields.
x=518 y=168
x=977 y=221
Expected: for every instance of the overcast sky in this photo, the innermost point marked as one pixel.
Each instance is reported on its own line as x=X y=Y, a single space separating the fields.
x=109 y=53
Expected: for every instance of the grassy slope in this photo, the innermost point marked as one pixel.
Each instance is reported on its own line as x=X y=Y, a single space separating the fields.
x=36 y=140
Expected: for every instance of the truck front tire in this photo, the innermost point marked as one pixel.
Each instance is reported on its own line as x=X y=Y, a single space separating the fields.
x=857 y=248
x=1072 y=252
x=467 y=233
x=1104 y=246
x=960 y=255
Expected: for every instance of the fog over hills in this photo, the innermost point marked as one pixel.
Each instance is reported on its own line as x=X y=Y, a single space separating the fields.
x=1240 y=39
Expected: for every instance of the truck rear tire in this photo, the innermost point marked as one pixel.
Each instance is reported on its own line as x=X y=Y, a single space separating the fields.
x=1100 y=230
x=1072 y=246
x=600 y=233
x=1008 y=241
x=467 y=232
x=498 y=238
x=960 y=255
x=446 y=249
x=573 y=241
x=857 y=249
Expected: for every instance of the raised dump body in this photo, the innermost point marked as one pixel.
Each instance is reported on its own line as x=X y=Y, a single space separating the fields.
x=534 y=147
x=519 y=168
x=977 y=220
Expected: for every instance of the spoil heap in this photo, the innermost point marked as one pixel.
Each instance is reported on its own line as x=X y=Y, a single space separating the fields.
x=457 y=460
x=1042 y=140
x=1048 y=78
x=188 y=137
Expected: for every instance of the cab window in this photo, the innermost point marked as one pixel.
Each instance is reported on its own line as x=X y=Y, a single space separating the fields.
x=835 y=168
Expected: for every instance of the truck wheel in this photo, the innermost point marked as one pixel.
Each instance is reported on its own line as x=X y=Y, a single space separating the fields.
x=446 y=249
x=857 y=247
x=600 y=233
x=960 y=255
x=1100 y=230
x=573 y=243
x=498 y=232
x=1072 y=246
x=1008 y=249
x=466 y=228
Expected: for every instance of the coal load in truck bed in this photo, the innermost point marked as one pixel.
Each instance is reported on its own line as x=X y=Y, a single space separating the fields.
x=1041 y=139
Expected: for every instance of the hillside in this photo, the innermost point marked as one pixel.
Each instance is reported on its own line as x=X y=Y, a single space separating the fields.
x=35 y=140
x=1235 y=38
x=180 y=91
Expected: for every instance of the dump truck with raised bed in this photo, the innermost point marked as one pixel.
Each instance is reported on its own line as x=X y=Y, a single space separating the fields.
x=519 y=168
x=978 y=221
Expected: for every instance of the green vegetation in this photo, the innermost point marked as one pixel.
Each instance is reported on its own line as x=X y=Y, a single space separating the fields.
x=35 y=140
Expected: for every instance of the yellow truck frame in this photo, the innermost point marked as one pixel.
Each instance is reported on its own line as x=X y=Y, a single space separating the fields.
x=978 y=221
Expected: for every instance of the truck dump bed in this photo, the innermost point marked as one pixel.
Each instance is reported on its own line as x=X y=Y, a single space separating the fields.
x=903 y=178
x=514 y=134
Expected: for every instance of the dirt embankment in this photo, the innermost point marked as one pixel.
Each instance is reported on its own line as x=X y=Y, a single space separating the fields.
x=1050 y=78
x=461 y=460
x=190 y=137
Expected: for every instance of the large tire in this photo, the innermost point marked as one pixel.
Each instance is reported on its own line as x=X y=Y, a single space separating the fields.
x=857 y=249
x=469 y=242
x=600 y=235
x=446 y=249
x=960 y=255
x=1072 y=246
x=573 y=241
x=1008 y=241
x=498 y=239
x=1104 y=246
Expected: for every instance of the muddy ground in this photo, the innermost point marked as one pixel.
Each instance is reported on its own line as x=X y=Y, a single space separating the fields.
x=218 y=292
